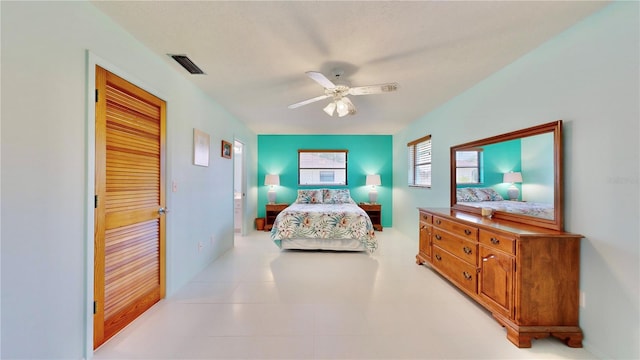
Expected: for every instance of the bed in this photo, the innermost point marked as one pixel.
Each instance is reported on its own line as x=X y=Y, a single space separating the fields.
x=324 y=219
x=489 y=198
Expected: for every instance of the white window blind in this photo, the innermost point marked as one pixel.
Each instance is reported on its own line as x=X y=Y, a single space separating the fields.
x=419 y=154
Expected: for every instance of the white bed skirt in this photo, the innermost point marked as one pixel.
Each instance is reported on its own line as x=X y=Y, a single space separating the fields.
x=323 y=244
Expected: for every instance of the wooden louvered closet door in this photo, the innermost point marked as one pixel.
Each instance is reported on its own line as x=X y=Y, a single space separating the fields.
x=129 y=222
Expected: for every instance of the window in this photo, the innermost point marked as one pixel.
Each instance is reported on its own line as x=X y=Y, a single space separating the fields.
x=322 y=167
x=420 y=162
x=468 y=166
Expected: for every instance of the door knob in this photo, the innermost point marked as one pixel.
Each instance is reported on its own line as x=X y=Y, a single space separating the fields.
x=163 y=211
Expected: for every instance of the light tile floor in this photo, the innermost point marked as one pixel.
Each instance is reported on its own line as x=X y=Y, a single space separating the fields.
x=257 y=301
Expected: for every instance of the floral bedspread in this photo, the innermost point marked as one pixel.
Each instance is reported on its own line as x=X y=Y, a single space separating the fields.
x=540 y=210
x=324 y=221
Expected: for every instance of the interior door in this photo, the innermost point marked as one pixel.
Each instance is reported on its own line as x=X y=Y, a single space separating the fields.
x=129 y=262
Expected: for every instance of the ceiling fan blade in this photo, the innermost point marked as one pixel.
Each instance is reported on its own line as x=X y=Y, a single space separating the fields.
x=308 y=101
x=321 y=79
x=373 y=89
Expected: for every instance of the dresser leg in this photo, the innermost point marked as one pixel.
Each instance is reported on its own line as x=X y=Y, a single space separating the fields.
x=523 y=340
x=572 y=339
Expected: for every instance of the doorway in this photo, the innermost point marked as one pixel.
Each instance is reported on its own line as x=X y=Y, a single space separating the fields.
x=239 y=187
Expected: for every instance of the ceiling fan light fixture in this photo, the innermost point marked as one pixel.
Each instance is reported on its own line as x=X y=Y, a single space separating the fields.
x=338 y=89
x=351 y=109
x=329 y=109
x=342 y=107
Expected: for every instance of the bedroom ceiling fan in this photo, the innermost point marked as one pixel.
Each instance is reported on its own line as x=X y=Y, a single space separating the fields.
x=338 y=90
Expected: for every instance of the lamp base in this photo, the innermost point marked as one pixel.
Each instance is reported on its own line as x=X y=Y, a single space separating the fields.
x=513 y=193
x=373 y=196
x=271 y=196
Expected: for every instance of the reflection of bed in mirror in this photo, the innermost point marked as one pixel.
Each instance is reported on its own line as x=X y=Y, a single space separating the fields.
x=483 y=198
x=540 y=210
x=324 y=219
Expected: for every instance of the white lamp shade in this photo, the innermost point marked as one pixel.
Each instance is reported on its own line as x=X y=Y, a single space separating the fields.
x=373 y=180
x=512 y=177
x=329 y=109
x=342 y=108
x=272 y=179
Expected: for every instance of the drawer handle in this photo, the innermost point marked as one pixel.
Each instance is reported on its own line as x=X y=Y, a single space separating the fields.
x=467 y=250
x=466 y=275
x=438 y=257
x=438 y=237
x=438 y=222
x=467 y=232
x=495 y=241
x=485 y=259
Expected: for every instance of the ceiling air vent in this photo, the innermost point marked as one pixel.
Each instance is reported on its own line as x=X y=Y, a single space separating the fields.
x=187 y=64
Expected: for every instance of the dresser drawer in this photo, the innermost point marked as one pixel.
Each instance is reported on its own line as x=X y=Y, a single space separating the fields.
x=464 y=249
x=425 y=218
x=498 y=241
x=467 y=232
x=455 y=269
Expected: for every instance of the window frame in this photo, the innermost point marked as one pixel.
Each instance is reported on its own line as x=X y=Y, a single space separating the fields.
x=479 y=167
x=320 y=169
x=412 y=148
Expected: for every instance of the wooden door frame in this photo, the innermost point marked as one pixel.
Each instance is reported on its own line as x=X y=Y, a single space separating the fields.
x=91 y=61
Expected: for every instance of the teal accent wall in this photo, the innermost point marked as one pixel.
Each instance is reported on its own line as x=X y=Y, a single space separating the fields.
x=498 y=159
x=368 y=154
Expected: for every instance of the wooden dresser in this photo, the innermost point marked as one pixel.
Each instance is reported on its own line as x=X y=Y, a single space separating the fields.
x=526 y=276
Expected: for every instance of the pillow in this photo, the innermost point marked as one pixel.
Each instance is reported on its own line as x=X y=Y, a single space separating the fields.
x=480 y=194
x=491 y=193
x=309 y=197
x=336 y=196
x=466 y=195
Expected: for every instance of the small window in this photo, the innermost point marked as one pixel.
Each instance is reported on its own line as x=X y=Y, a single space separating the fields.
x=468 y=166
x=322 y=167
x=419 y=152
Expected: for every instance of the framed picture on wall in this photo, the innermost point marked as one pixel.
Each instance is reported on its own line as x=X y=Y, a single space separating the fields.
x=226 y=150
x=201 y=142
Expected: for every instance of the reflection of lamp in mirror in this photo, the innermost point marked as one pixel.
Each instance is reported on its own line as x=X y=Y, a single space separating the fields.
x=513 y=177
x=272 y=180
x=373 y=181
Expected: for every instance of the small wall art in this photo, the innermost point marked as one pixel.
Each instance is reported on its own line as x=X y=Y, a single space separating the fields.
x=226 y=150
x=201 y=141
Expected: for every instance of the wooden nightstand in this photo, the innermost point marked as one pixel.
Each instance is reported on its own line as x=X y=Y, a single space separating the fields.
x=271 y=211
x=375 y=213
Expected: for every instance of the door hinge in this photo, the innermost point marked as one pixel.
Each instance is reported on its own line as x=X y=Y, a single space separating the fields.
x=95 y=307
x=95 y=202
x=96 y=95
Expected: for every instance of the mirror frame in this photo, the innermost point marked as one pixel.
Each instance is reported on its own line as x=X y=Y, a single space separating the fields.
x=555 y=128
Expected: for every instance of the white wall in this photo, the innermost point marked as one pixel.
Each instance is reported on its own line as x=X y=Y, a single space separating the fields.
x=589 y=77
x=46 y=148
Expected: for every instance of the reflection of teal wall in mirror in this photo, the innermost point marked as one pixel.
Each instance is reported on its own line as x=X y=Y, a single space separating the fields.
x=537 y=169
x=368 y=154
x=498 y=159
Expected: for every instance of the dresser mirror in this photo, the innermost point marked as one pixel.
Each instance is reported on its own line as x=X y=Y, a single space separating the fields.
x=518 y=175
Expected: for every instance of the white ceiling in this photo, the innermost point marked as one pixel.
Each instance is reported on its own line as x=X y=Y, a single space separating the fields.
x=255 y=54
